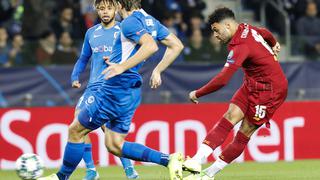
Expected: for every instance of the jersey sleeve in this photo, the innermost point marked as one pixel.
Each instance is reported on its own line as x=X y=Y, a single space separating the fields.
x=83 y=59
x=133 y=29
x=237 y=55
x=162 y=32
x=217 y=82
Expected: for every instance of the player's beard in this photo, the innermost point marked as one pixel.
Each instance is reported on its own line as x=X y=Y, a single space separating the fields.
x=107 y=22
x=226 y=37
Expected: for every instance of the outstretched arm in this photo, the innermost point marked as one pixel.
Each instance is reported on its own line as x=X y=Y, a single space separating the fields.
x=235 y=59
x=217 y=82
x=133 y=30
x=147 y=48
x=174 y=48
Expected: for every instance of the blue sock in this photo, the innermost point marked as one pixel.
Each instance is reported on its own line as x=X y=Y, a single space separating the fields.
x=125 y=162
x=87 y=156
x=140 y=152
x=73 y=153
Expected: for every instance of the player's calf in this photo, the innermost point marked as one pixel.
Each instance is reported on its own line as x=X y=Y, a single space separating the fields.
x=114 y=142
x=114 y=148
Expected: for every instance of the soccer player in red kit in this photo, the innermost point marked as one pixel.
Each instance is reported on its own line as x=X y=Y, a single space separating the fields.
x=264 y=89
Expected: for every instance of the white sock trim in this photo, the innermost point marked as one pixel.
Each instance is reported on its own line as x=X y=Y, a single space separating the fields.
x=203 y=153
x=216 y=167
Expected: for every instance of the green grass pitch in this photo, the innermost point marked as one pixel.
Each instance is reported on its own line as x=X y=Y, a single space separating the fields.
x=297 y=170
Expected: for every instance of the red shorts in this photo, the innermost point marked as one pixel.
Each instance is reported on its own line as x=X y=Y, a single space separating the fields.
x=259 y=106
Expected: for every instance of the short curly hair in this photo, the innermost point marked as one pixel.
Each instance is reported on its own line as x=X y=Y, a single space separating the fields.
x=221 y=14
x=130 y=4
x=97 y=2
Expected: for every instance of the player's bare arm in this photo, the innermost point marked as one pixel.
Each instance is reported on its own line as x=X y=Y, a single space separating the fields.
x=174 y=48
x=147 y=48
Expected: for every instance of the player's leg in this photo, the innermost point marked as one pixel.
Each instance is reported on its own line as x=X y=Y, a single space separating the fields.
x=127 y=165
x=234 y=149
x=219 y=133
x=74 y=149
x=116 y=144
x=91 y=172
x=87 y=155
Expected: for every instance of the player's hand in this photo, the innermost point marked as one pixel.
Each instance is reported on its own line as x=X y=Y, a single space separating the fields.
x=76 y=84
x=112 y=70
x=155 y=80
x=276 y=49
x=193 y=98
x=106 y=59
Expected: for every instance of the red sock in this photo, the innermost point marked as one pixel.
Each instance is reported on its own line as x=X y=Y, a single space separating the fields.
x=235 y=148
x=218 y=134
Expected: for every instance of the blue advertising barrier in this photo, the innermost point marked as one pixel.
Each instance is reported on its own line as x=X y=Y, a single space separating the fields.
x=51 y=86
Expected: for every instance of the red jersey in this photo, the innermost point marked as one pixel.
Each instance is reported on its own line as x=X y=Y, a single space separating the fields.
x=250 y=49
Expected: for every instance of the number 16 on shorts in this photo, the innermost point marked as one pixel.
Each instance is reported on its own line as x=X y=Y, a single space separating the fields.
x=260 y=112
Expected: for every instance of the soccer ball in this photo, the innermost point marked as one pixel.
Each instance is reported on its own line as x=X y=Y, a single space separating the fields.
x=29 y=166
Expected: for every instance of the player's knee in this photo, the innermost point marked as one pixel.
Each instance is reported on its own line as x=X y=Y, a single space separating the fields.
x=76 y=132
x=232 y=116
x=109 y=147
x=73 y=134
x=247 y=132
x=247 y=128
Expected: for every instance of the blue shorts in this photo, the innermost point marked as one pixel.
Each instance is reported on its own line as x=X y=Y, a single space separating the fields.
x=81 y=103
x=113 y=107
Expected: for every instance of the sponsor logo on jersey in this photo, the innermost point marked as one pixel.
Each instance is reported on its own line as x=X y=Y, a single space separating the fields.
x=101 y=49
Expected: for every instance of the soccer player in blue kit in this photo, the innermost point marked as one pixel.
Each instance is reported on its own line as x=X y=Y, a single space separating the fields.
x=98 y=44
x=119 y=93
